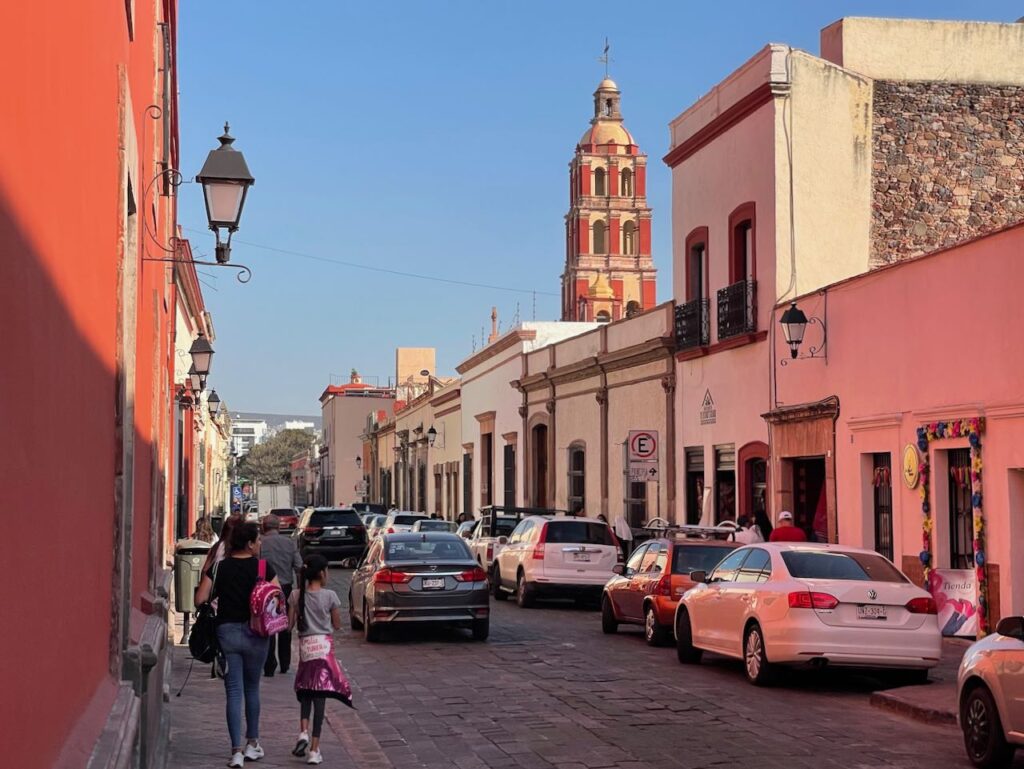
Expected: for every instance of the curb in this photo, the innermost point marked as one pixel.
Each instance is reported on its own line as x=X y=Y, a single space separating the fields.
x=907 y=701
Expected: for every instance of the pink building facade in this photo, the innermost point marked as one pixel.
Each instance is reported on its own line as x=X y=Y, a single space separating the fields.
x=922 y=358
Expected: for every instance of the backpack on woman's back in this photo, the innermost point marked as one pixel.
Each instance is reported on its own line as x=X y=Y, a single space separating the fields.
x=267 y=606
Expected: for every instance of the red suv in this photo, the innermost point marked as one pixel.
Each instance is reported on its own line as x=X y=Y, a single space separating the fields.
x=647 y=588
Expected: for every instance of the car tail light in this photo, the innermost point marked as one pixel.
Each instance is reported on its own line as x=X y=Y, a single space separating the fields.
x=313 y=530
x=389 y=577
x=923 y=605
x=663 y=586
x=391 y=529
x=490 y=552
x=538 y=549
x=472 y=575
x=809 y=600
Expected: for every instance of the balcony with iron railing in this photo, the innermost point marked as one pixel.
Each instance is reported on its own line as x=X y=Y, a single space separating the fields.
x=737 y=309
x=693 y=326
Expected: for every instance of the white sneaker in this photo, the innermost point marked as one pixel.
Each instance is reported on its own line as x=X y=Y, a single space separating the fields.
x=315 y=757
x=238 y=759
x=253 y=752
x=301 y=744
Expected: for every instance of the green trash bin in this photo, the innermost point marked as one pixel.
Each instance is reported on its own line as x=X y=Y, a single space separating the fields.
x=189 y=557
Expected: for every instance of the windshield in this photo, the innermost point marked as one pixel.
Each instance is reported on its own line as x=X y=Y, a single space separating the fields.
x=579 y=532
x=436 y=550
x=810 y=564
x=429 y=525
x=687 y=558
x=283 y=512
x=407 y=520
x=334 y=518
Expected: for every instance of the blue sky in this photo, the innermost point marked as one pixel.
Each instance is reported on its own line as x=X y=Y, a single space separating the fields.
x=431 y=137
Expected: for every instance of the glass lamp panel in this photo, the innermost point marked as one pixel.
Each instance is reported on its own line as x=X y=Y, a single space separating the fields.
x=223 y=202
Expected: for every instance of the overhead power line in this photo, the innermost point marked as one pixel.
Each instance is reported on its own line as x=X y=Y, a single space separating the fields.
x=371 y=268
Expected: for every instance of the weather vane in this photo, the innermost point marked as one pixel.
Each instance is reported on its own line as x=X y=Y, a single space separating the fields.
x=605 y=58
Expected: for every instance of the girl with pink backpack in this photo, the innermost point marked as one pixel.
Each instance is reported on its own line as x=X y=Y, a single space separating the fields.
x=317 y=612
x=249 y=607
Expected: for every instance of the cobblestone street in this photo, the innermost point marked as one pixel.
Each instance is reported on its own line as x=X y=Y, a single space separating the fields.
x=550 y=690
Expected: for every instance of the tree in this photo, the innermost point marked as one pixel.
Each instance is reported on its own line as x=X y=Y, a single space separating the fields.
x=270 y=461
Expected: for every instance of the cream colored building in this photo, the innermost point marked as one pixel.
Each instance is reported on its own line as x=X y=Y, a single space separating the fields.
x=579 y=400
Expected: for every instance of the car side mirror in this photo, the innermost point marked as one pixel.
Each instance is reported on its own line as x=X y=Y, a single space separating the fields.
x=502 y=540
x=619 y=568
x=1012 y=627
x=698 y=576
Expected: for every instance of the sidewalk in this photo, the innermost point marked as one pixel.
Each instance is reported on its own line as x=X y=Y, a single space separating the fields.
x=199 y=735
x=934 y=702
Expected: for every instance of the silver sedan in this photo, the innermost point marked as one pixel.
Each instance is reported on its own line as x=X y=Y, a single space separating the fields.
x=423 y=577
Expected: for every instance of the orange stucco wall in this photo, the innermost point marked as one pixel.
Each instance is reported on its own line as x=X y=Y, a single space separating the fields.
x=61 y=209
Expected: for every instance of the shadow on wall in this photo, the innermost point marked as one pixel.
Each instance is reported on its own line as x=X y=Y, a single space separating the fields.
x=58 y=458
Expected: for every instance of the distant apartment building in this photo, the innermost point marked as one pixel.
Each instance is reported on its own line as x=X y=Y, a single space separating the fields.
x=246 y=433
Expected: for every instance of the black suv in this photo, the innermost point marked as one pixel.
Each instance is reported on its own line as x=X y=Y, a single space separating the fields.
x=333 y=532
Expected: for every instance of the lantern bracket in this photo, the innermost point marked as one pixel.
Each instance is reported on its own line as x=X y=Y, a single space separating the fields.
x=819 y=351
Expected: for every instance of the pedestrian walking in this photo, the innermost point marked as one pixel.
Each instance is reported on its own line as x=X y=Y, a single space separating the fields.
x=204 y=530
x=785 y=531
x=281 y=553
x=219 y=550
x=232 y=581
x=624 y=532
x=316 y=611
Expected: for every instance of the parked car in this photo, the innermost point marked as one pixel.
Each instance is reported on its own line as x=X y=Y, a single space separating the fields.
x=333 y=532
x=375 y=526
x=555 y=556
x=427 y=577
x=487 y=539
x=401 y=521
x=465 y=529
x=646 y=589
x=433 y=524
x=990 y=693
x=289 y=517
x=785 y=603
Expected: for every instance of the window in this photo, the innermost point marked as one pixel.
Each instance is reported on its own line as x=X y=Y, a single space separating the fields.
x=486 y=468
x=521 y=533
x=881 y=480
x=629 y=238
x=687 y=558
x=633 y=564
x=626 y=183
x=726 y=570
x=650 y=558
x=696 y=255
x=571 y=532
x=816 y=564
x=467 y=483
x=636 y=500
x=600 y=183
x=577 y=478
x=510 y=475
x=756 y=568
x=600 y=238
x=603 y=317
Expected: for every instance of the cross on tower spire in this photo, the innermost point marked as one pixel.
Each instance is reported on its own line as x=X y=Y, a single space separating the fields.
x=605 y=58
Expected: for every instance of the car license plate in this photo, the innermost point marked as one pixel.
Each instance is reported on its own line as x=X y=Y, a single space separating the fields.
x=581 y=556
x=871 y=612
x=433 y=584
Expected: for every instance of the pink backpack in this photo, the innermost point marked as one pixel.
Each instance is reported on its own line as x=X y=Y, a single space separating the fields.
x=269 y=615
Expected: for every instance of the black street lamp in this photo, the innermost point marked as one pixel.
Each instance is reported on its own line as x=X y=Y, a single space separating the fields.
x=196 y=379
x=226 y=180
x=359 y=463
x=794 y=323
x=431 y=436
x=214 y=402
x=202 y=355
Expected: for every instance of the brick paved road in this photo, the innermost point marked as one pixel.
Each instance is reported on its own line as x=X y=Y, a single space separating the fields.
x=550 y=690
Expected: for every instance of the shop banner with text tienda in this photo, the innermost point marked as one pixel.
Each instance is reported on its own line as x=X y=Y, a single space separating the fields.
x=956 y=595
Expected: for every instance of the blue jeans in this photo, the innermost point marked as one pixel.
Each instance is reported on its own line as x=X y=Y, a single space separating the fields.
x=245 y=654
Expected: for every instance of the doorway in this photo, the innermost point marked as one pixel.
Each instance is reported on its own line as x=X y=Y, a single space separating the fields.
x=961 y=516
x=725 y=483
x=694 y=484
x=810 y=507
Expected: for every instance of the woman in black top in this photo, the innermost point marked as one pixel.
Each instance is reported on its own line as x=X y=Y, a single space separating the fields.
x=231 y=581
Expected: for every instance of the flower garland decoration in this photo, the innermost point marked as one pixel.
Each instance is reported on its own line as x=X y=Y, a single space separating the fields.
x=972 y=430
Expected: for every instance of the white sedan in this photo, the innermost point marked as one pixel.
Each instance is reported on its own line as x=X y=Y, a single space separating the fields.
x=782 y=603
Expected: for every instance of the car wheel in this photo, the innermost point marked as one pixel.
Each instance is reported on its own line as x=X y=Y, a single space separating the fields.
x=353 y=621
x=760 y=671
x=608 y=622
x=481 y=629
x=983 y=731
x=496 y=591
x=371 y=633
x=654 y=631
x=524 y=593
x=687 y=653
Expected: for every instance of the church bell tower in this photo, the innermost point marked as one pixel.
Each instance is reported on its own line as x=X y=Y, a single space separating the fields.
x=609 y=273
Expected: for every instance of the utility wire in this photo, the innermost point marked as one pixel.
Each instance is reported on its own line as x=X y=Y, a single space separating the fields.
x=401 y=273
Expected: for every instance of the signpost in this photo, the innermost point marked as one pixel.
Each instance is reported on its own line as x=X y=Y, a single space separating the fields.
x=642 y=459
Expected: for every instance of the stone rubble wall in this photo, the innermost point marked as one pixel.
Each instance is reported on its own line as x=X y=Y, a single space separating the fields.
x=948 y=165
